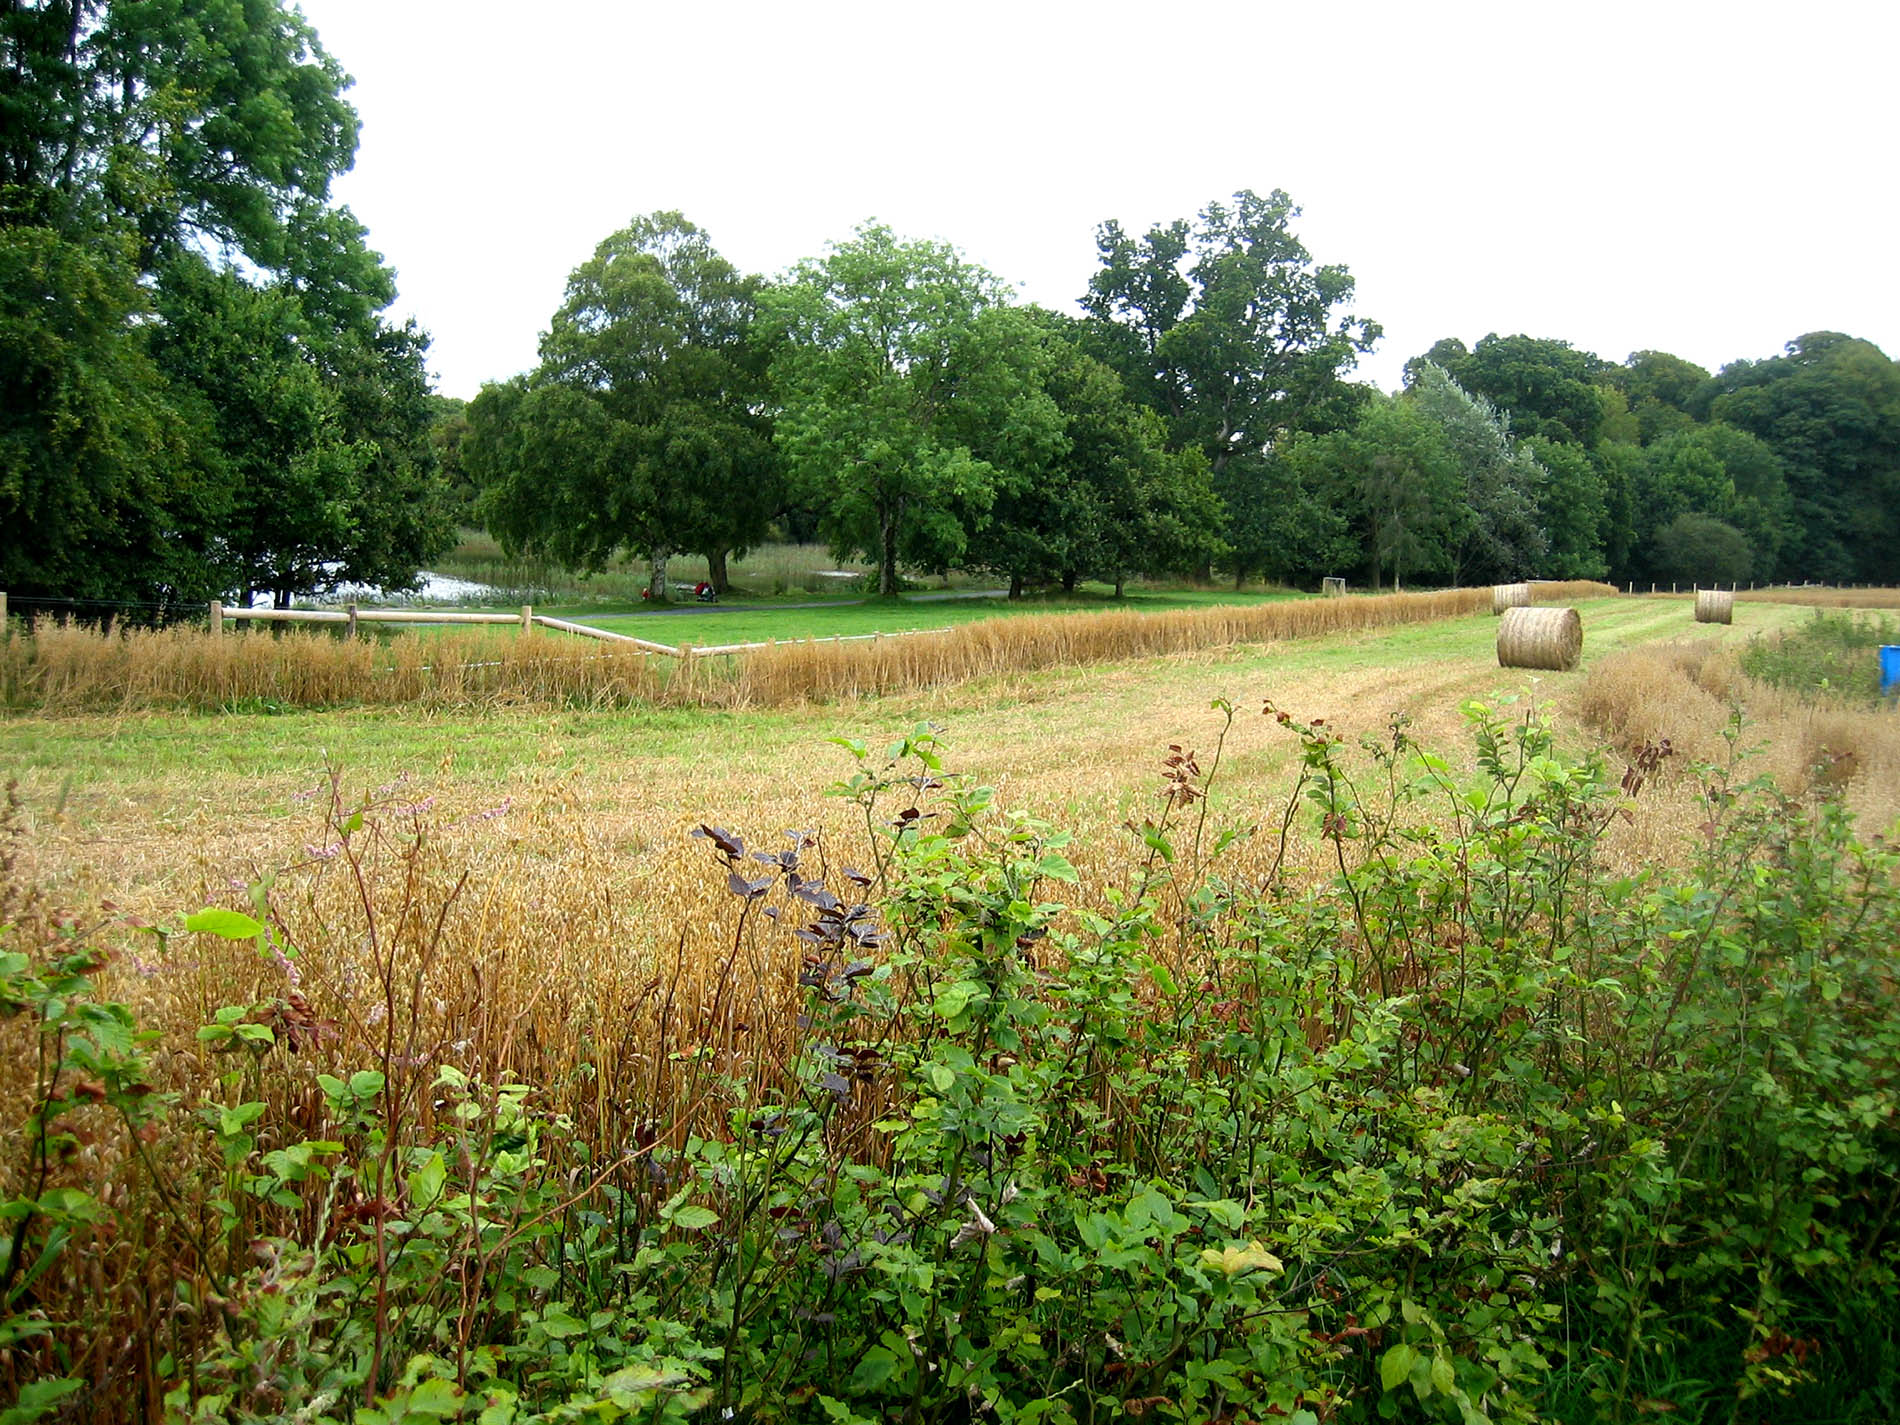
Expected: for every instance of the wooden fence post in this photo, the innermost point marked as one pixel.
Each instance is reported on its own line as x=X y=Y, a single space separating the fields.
x=527 y=617
x=350 y=609
x=3 y=607
x=217 y=616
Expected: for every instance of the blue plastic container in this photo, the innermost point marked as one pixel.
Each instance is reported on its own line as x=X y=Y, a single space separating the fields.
x=1889 y=669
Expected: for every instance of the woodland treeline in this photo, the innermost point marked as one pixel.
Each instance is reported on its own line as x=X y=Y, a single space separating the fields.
x=204 y=398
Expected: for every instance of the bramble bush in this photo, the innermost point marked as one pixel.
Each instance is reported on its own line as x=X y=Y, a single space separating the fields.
x=1482 y=1126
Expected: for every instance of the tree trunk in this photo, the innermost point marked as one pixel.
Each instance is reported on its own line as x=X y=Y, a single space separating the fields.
x=1015 y=586
x=887 y=552
x=1121 y=580
x=280 y=599
x=1068 y=581
x=656 y=585
x=716 y=569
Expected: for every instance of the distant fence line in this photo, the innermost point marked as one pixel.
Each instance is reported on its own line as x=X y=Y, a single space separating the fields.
x=352 y=616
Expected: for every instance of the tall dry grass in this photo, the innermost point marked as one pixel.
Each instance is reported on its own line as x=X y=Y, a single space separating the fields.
x=1689 y=692
x=1826 y=598
x=66 y=668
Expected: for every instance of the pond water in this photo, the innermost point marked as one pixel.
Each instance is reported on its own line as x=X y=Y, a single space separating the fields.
x=436 y=589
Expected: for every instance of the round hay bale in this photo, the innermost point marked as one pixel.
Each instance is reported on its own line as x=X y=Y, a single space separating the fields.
x=1714 y=606
x=1540 y=638
x=1509 y=596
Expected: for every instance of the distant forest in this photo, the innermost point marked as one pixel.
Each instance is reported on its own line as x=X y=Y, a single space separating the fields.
x=203 y=397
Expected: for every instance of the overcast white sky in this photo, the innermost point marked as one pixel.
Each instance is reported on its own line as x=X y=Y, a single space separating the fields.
x=1706 y=179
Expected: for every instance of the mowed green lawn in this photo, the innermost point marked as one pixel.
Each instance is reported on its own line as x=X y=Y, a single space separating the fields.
x=708 y=625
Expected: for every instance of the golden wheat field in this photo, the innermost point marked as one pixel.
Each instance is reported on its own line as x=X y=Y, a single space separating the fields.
x=586 y=924
x=523 y=896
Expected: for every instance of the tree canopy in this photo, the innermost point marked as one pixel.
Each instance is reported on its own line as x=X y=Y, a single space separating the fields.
x=908 y=395
x=645 y=425
x=194 y=338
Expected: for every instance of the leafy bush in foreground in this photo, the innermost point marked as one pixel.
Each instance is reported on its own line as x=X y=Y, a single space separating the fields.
x=1480 y=1128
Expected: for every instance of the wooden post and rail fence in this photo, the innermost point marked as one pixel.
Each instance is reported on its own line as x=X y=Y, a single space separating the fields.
x=351 y=616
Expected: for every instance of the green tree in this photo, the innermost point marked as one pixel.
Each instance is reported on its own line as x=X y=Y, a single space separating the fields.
x=1285 y=520
x=1623 y=468
x=1392 y=475
x=1572 y=509
x=1231 y=331
x=1726 y=474
x=1829 y=407
x=157 y=136
x=1498 y=536
x=656 y=333
x=898 y=367
x=1548 y=388
x=1110 y=500
x=104 y=492
x=1661 y=391
x=448 y=427
x=1696 y=548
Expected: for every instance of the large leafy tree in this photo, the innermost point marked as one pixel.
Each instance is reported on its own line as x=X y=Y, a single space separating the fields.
x=1230 y=329
x=1718 y=473
x=1106 y=501
x=1829 y=407
x=163 y=141
x=645 y=426
x=1548 y=388
x=1660 y=390
x=1393 y=477
x=1573 y=509
x=1498 y=536
x=909 y=395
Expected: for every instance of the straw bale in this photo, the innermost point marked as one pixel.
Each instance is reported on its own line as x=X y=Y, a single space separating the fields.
x=1540 y=638
x=1509 y=596
x=1714 y=606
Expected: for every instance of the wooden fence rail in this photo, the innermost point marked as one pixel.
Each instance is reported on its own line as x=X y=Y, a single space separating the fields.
x=526 y=619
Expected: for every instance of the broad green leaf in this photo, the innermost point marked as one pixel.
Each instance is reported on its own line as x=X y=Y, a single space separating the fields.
x=1444 y=1378
x=1396 y=1366
x=37 y=1399
x=1225 y=1211
x=225 y=924
x=440 y=1398
x=425 y=1183
x=693 y=1217
x=877 y=1366
x=953 y=999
